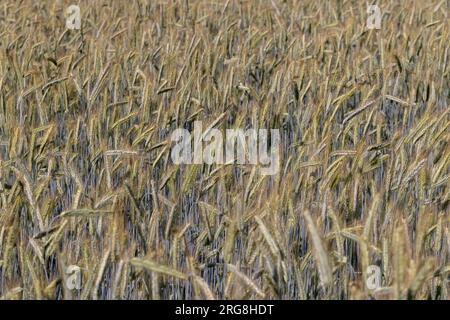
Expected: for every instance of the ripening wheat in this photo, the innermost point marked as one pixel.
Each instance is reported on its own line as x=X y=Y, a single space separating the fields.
x=87 y=180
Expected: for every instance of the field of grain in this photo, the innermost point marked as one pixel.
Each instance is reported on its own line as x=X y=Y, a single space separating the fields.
x=87 y=181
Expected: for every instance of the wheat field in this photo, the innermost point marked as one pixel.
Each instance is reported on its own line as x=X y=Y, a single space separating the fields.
x=87 y=180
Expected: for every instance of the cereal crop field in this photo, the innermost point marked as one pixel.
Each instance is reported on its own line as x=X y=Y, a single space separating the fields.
x=93 y=205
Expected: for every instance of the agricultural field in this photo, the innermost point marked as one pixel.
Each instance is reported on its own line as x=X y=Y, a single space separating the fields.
x=93 y=206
